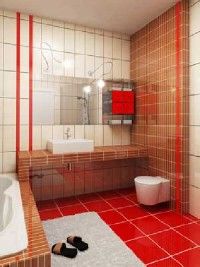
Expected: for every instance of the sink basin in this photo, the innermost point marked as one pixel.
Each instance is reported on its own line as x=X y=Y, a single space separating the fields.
x=61 y=146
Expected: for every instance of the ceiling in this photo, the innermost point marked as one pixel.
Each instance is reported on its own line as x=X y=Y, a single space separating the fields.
x=126 y=16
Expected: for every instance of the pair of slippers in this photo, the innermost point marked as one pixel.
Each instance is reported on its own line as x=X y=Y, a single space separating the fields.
x=75 y=241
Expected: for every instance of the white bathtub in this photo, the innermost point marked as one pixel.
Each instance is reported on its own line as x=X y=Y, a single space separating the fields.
x=13 y=235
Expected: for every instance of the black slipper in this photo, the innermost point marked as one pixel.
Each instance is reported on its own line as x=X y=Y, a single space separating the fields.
x=77 y=242
x=61 y=249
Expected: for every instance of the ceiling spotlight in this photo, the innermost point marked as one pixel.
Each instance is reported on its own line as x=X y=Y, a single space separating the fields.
x=87 y=89
x=100 y=83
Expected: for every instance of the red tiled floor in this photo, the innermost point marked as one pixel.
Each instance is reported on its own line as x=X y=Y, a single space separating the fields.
x=111 y=217
x=120 y=202
x=46 y=205
x=74 y=209
x=191 y=231
x=109 y=194
x=119 y=209
x=88 y=197
x=50 y=214
x=162 y=207
x=149 y=225
x=62 y=202
x=133 y=212
x=98 y=206
x=190 y=258
x=146 y=250
x=171 y=241
x=126 y=231
x=165 y=263
x=173 y=219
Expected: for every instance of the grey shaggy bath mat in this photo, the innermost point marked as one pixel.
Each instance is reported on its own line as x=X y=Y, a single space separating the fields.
x=106 y=249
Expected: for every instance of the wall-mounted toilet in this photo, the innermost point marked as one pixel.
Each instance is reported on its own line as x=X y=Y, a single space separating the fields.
x=152 y=190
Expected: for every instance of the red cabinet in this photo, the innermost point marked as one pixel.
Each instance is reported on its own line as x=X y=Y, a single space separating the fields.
x=122 y=102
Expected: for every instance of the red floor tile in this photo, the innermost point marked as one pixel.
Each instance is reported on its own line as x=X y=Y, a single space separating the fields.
x=46 y=205
x=109 y=194
x=146 y=250
x=190 y=258
x=98 y=206
x=120 y=202
x=126 y=231
x=149 y=225
x=133 y=212
x=191 y=231
x=74 y=209
x=62 y=202
x=132 y=197
x=165 y=263
x=126 y=191
x=171 y=241
x=89 y=198
x=192 y=218
x=173 y=219
x=162 y=207
x=50 y=214
x=111 y=217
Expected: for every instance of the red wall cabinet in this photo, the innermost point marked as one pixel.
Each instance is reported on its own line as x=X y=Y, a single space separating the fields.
x=122 y=102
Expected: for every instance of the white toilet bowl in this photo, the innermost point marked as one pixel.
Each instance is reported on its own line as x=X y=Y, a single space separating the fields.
x=152 y=190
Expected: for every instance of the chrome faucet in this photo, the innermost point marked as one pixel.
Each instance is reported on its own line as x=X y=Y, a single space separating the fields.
x=67 y=133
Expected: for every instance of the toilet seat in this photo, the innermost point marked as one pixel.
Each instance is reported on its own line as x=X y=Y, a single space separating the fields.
x=148 y=180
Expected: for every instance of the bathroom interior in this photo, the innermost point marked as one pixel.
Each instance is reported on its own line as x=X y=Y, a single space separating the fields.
x=99 y=133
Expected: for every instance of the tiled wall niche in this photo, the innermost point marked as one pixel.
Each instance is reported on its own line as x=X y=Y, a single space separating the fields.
x=154 y=70
x=82 y=49
x=194 y=187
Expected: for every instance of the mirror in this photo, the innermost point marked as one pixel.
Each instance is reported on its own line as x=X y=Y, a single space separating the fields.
x=62 y=100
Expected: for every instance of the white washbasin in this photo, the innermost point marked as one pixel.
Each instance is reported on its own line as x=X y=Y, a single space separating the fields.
x=60 y=146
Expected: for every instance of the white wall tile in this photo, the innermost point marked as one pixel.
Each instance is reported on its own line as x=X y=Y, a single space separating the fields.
x=89 y=132
x=24 y=57
x=9 y=138
x=37 y=137
x=24 y=86
x=117 y=48
x=194 y=140
x=194 y=110
x=195 y=171
x=195 y=49
x=98 y=138
x=125 y=69
x=69 y=26
x=47 y=34
x=58 y=132
x=98 y=45
x=108 y=68
x=38 y=61
x=79 y=131
x=9 y=116
x=1 y=56
x=9 y=162
x=107 y=135
x=71 y=131
x=126 y=135
x=69 y=40
x=107 y=47
x=24 y=32
x=117 y=134
x=125 y=50
x=10 y=14
x=58 y=63
x=1 y=83
x=1 y=109
x=117 y=69
x=89 y=66
x=58 y=39
x=9 y=57
x=9 y=84
x=195 y=79
x=79 y=65
x=37 y=34
x=79 y=42
x=1 y=162
x=98 y=67
x=9 y=30
x=194 y=203
x=1 y=29
x=24 y=137
x=47 y=133
x=89 y=43
x=24 y=111
x=1 y=139
x=194 y=18
x=69 y=64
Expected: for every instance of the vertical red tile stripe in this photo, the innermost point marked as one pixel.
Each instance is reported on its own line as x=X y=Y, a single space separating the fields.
x=178 y=111
x=18 y=82
x=30 y=82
